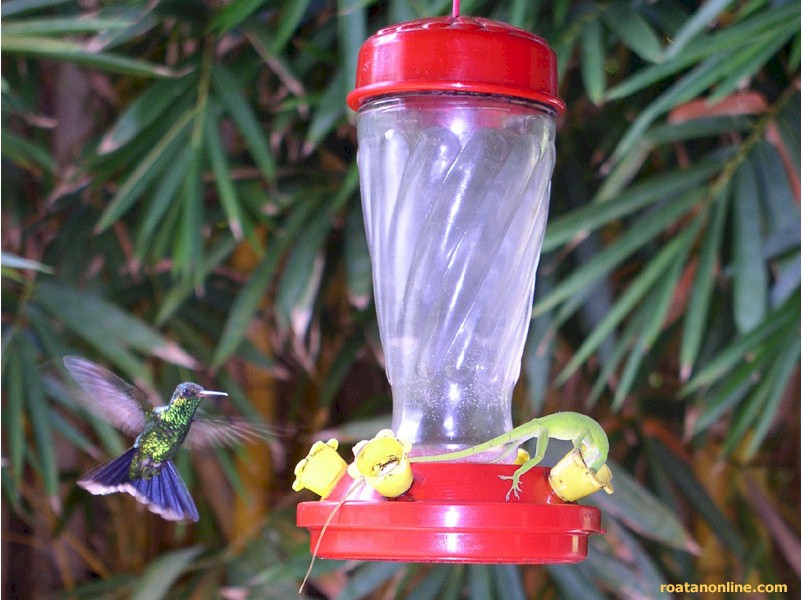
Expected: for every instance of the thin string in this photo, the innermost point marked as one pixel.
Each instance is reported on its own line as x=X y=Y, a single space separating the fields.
x=455 y=9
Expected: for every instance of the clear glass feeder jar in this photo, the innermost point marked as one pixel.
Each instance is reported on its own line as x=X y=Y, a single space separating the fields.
x=455 y=189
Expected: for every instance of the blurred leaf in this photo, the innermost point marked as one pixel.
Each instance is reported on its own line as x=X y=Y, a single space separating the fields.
x=640 y=511
x=682 y=475
x=633 y=30
x=103 y=324
x=702 y=290
x=655 y=269
x=291 y=16
x=160 y=575
x=251 y=294
x=635 y=237
x=302 y=274
x=694 y=26
x=157 y=99
x=26 y=154
x=39 y=421
x=14 y=419
x=231 y=96
x=78 y=53
x=57 y=26
x=750 y=279
x=367 y=578
x=233 y=13
x=146 y=171
x=12 y=261
x=593 y=74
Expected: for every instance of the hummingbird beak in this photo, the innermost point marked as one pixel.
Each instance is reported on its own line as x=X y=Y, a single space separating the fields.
x=211 y=393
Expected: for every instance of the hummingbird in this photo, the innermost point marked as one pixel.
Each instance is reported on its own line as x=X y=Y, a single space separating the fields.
x=146 y=470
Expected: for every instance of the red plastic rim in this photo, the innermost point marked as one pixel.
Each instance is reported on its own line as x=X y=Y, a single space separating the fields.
x=454 y=512
x=456 y=54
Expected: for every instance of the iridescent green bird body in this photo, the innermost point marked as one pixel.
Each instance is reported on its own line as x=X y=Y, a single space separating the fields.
x=146 y=470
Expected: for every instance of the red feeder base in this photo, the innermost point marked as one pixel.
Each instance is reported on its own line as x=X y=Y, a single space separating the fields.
x=454 y=512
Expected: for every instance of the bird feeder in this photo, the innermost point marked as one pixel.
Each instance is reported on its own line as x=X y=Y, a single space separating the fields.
x=456 y=129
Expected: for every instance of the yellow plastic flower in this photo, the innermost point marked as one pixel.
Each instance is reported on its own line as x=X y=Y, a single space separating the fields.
x=383 y=464
x=321 y=469
x=571 y=479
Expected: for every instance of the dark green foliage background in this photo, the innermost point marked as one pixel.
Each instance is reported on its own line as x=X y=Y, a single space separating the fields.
x=180 y=201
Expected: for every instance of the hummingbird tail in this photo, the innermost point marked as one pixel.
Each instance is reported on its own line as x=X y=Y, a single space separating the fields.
x=166 y=494
x=163 y=493
x=109 y=477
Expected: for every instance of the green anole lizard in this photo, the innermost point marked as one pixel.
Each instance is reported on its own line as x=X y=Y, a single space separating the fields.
x=585 y=433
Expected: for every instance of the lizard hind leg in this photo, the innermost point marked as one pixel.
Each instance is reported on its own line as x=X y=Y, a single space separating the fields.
x=540 y=452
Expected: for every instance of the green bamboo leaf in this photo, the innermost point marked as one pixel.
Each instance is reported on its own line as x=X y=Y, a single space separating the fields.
x=10 y=8
x=777 y=380
x=352 y=30
x=636 y=577
x=640 y=233
x=161 y=200
x=104 y=324
x=252 y=293
x=184 y=290
x=222 y=177
x=146 y=171
x=633 y=30
x=695 y=321
x=480 y=582
x=234 y=13
x=749 y=61
x=750 y=277
x=756 y=30
x=39 y=420
x=78 y=53
x=655 y=309
x=706 y=13
x=580 y=222
x=593 y=54
x=367 y=578
x=732 y=354
x=634 y=506
x=12 y=261
x=622 y=346
x=26 y=154
x=433 y=585
x=60 y=26
x=776 y=195
x=144 y=111
x=655 y=269
x=229 y=92
x=14 y=416
x=301 y=277
x=291 y=16
x=329 y=109
x=162 y=573
x=187 y=250
x=682 y=475
x=509 y=581
x=574 y=583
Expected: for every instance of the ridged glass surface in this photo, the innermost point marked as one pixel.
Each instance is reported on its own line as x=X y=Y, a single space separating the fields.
x=455 y=196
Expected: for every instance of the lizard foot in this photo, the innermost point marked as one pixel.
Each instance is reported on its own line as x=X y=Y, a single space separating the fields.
x=515 y=488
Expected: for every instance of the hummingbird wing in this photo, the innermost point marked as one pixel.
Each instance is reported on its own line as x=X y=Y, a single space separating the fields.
x=223 y=431
x=108 y=396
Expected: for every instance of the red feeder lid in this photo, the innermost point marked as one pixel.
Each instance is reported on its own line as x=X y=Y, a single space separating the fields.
x=457 y=54
x=454 y=512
